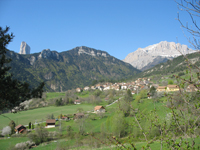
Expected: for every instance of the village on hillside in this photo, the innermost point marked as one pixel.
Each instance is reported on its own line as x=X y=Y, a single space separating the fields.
x=135 y=86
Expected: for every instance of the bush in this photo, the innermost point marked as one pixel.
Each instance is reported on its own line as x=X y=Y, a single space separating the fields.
x=18 y=135
x=6 y=131
x=12 y=126
x=40 y=135
x=181 y=73
x=24 y=145
x=170 y=82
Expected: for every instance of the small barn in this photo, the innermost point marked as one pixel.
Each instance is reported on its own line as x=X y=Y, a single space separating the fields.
x=20 y=129
x=77 y=102
x=99 y=109
x=50 y=123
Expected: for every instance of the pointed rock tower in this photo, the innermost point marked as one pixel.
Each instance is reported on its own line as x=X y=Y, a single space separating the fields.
x=24 y=48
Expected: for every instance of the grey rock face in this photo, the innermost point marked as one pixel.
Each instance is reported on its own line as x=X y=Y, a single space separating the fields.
x=49 y=54
x=49 y=76
x=24 y=48
x=142 y=57
x=87 y=51
x=32 y=60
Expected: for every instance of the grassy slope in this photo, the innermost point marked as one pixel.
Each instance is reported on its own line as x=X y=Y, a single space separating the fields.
x=52 y=95
x=6 y=143
x=93 y=125
x=155 y=146
x=38 y=114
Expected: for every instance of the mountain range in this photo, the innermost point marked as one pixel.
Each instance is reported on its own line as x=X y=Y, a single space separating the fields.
x=80 y=66
x=74 y=68
x=145 y=58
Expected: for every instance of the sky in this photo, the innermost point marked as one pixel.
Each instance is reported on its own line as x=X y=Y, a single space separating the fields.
x=118 y=27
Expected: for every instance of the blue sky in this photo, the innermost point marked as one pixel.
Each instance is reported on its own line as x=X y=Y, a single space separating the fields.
x=116 y=26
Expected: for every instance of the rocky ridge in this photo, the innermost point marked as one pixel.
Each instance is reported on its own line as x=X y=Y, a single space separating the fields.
x=145 y=58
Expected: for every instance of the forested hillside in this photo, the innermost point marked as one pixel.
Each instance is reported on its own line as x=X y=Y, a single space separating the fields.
x=69 y=69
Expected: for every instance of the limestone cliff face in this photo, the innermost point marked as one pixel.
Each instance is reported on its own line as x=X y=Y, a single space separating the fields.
x=24 y=48
x=145 y=58
x=47 y=53
x=90 y=51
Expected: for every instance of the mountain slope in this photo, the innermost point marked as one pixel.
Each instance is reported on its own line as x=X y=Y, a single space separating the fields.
x=69 y=69
x=173 y=66
x=145 y=58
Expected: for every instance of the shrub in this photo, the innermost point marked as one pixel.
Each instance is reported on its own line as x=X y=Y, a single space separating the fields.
x=6 y=131
x=12 y=126
x=40 y=135
x=24 y=145
x=181 y=73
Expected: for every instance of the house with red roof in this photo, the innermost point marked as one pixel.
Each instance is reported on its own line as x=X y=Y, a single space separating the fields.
x=99 y=109
x=20 y=129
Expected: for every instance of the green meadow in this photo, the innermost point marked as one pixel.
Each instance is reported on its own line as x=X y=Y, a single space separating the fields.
x=92 y=125
x=39 y=114
x=6 y=143
x=51 y=95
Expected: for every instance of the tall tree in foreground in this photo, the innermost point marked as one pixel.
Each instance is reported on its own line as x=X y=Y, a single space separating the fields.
x=12 y=91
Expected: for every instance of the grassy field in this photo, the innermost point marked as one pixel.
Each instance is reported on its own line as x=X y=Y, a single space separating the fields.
x=66 y=143
x=6 y=143
x=84 y=94
x=51 y=95
x=92 y=125
x=39 y=114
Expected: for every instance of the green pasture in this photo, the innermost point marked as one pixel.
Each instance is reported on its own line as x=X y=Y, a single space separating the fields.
x=84 y=94
x=39 y=114
x=6 y=143
x=149 y=104
x=51 y=95
x=68 y=143
x=90 y=125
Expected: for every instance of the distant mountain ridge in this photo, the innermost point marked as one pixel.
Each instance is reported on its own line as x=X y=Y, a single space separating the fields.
x=145 y=58
x=77 y=67
x=174 y=66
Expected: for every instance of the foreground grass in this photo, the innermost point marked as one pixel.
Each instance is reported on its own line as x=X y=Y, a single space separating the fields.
x=70 y=144
x=92 y=125
x=39 y=114
x=6 y=143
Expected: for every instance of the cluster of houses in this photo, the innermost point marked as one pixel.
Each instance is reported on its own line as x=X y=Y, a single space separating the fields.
x=134 y=86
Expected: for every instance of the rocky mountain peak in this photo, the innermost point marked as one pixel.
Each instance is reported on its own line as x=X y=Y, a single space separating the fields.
x=24 y=48
x=47 y=53
x=143 y=57
x=92 y=52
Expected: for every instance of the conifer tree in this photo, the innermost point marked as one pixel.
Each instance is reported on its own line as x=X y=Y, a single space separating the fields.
x=12 y=91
